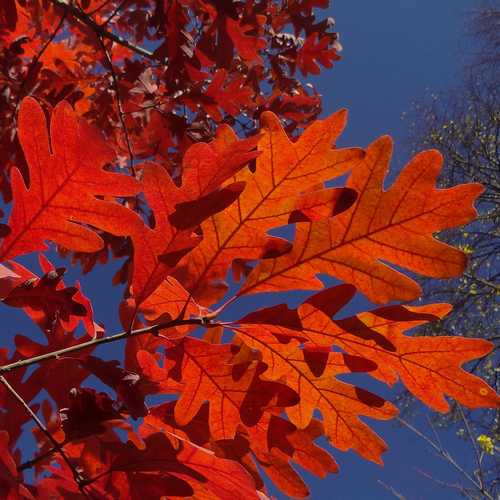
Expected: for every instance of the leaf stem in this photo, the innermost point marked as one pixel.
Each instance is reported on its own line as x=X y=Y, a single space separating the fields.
x=119 y=101
x=99 y=341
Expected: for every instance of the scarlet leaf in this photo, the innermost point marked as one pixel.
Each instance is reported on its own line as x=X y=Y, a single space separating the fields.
x=316 y=49
x=11 y=486
x=395 y=226
x=191 y=464
x=46 y=300
x=86 y=413
x=42 y=295
x=247 y=46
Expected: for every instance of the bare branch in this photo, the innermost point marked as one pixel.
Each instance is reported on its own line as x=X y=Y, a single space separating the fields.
x=88 y=21
x=79 y=479
x=103 y=340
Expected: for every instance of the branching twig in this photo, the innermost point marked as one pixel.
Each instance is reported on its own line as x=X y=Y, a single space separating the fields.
x=479 y=474
x=79 y=479
x=119 y=102
x=446 y=455
x=85 y=19
x=103 y=340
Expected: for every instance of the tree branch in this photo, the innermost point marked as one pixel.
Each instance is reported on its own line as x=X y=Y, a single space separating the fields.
x=119 y=101
x=88 y=21
x=446 y=456
x=103 y=340
x=79 y=479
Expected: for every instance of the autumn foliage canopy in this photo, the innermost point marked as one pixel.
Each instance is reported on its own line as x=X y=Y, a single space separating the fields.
x=177 y=136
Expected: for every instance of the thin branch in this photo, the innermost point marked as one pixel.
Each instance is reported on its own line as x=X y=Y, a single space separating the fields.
x=391 y=490
x=113 y=14
x=484 y=282
x=30 y=463
x=103 y=340
x=79 y=479
x=119 y=101
x=446 y=455
x=85 y=19
x=479 y=474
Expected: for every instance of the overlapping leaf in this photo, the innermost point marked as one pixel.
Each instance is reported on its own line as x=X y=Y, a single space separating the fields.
x=312 y=373
x=208 y=476
x=429 y=367
x=178 y=210
x=279 y=192
x=206 y=372
x=394 y=226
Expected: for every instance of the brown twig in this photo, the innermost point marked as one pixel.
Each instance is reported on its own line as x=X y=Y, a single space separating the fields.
x=30 y=463
x=79 y=479
x=103 y=340
x=88 y=21
x=119 y=101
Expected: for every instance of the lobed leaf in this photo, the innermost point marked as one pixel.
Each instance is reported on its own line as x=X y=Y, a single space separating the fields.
x=393 y=226
x=66 y=174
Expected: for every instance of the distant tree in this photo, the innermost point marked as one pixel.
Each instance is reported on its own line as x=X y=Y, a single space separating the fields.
x=464 y=124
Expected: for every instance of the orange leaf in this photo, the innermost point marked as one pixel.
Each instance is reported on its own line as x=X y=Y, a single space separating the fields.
x=395 y=226
x=178 y=210
x=312 y=374
x=235 y=393
x=430 y=367
x=65 y=177
x=275 y=195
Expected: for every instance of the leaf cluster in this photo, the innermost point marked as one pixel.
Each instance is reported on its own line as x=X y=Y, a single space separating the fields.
x=197 y=406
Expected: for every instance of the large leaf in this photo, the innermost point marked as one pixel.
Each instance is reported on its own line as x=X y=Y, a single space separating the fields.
x=66 y=174
x=393 y=226
x=279 y=192
x=206 y=372
x=178 y=210
x=429 y=367
x=312 y=373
